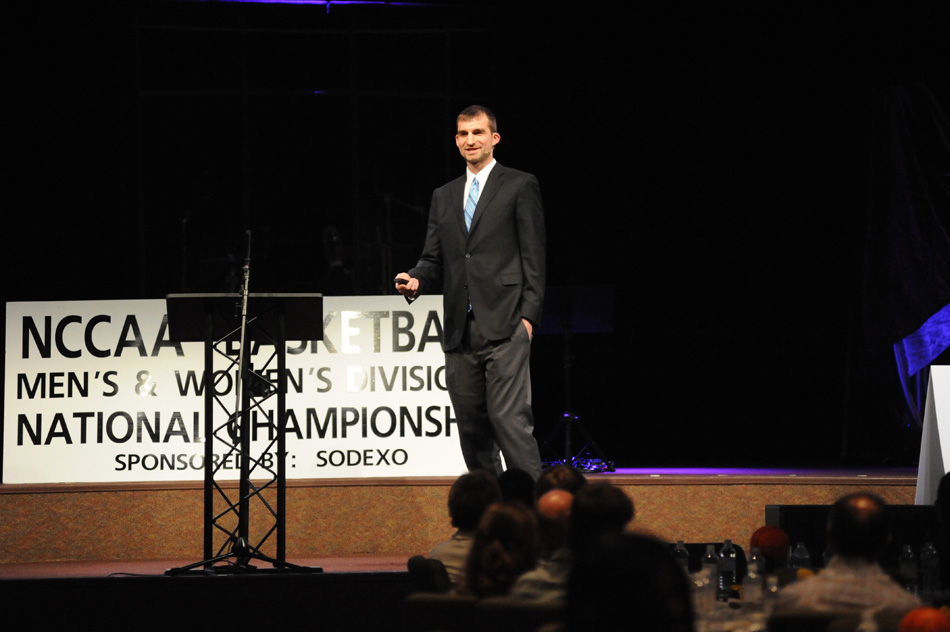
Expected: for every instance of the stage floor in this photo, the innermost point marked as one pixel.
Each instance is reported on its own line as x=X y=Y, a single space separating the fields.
x=138 y=568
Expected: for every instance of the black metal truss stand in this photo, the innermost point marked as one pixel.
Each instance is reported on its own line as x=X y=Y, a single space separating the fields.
x=588 y=458
x=271 y=319
x=565 y=308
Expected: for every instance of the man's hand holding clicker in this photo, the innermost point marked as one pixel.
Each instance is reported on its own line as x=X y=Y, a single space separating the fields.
x=406 y=285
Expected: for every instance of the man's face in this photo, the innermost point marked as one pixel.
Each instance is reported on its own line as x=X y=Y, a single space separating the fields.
x=476 y=141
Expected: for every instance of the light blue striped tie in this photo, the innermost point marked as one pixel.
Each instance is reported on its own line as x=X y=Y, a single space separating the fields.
x=470 y=204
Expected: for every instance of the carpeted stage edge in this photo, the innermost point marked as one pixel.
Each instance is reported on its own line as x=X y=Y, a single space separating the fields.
x=389 y=519
x=97 y=554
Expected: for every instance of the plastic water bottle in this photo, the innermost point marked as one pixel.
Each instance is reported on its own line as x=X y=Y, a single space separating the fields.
x=770 y=594
x=752 y=589
x=929 y=571
x=868 y=623
x=727 y=570
x=710 y=572
x=756 y=560
x=704 y=593
x=800 y=557
x=711 y=562
x=681 y=555
x=907 y=563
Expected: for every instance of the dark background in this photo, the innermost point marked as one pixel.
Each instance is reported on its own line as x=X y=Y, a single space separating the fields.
x=705 y=172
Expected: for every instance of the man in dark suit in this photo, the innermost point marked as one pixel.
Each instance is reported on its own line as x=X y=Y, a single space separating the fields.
x=485 y=250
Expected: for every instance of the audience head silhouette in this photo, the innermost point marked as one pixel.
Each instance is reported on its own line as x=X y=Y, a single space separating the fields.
x=470 y=496
x=505 y=546
x=554 y=518
x=628 y=582
x=858 y=526
x=559 y=477
x=599 y=507
x=517 y=485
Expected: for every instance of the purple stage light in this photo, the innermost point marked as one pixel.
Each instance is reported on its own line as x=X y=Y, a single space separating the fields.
x=327 y=3
x=759 y=472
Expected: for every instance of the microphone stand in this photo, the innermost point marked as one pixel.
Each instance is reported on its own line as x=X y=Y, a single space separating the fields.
x=242 y=409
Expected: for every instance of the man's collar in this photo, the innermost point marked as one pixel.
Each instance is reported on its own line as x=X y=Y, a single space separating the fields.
x=481 y=175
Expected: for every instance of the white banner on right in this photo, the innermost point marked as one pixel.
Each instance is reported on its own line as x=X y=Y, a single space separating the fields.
x=934 y=450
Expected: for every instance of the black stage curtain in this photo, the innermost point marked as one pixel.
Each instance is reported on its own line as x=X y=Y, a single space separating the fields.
x=907 y=252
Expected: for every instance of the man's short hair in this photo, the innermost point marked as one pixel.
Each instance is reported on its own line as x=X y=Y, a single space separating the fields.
x=516 y=484
x=473 y=111
x=560 y=476
x=469 y=496
x=858 y=526
x=599 y=507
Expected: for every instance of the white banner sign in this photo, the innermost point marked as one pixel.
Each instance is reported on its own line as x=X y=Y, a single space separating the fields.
x=95 y=391
x=935 y=437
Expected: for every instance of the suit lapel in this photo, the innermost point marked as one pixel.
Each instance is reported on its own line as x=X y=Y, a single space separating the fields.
x=484 y=200
x=456 y=189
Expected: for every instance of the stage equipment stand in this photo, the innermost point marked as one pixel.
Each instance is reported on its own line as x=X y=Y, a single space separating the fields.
x=215 y=320
x=586 y=309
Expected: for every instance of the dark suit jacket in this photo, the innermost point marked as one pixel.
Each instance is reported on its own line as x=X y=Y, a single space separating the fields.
x=500 y=263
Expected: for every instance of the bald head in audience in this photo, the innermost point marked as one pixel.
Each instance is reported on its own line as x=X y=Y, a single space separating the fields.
x=554 y=518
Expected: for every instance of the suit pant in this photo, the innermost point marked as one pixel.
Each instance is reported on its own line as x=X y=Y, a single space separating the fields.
x=489 y=383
